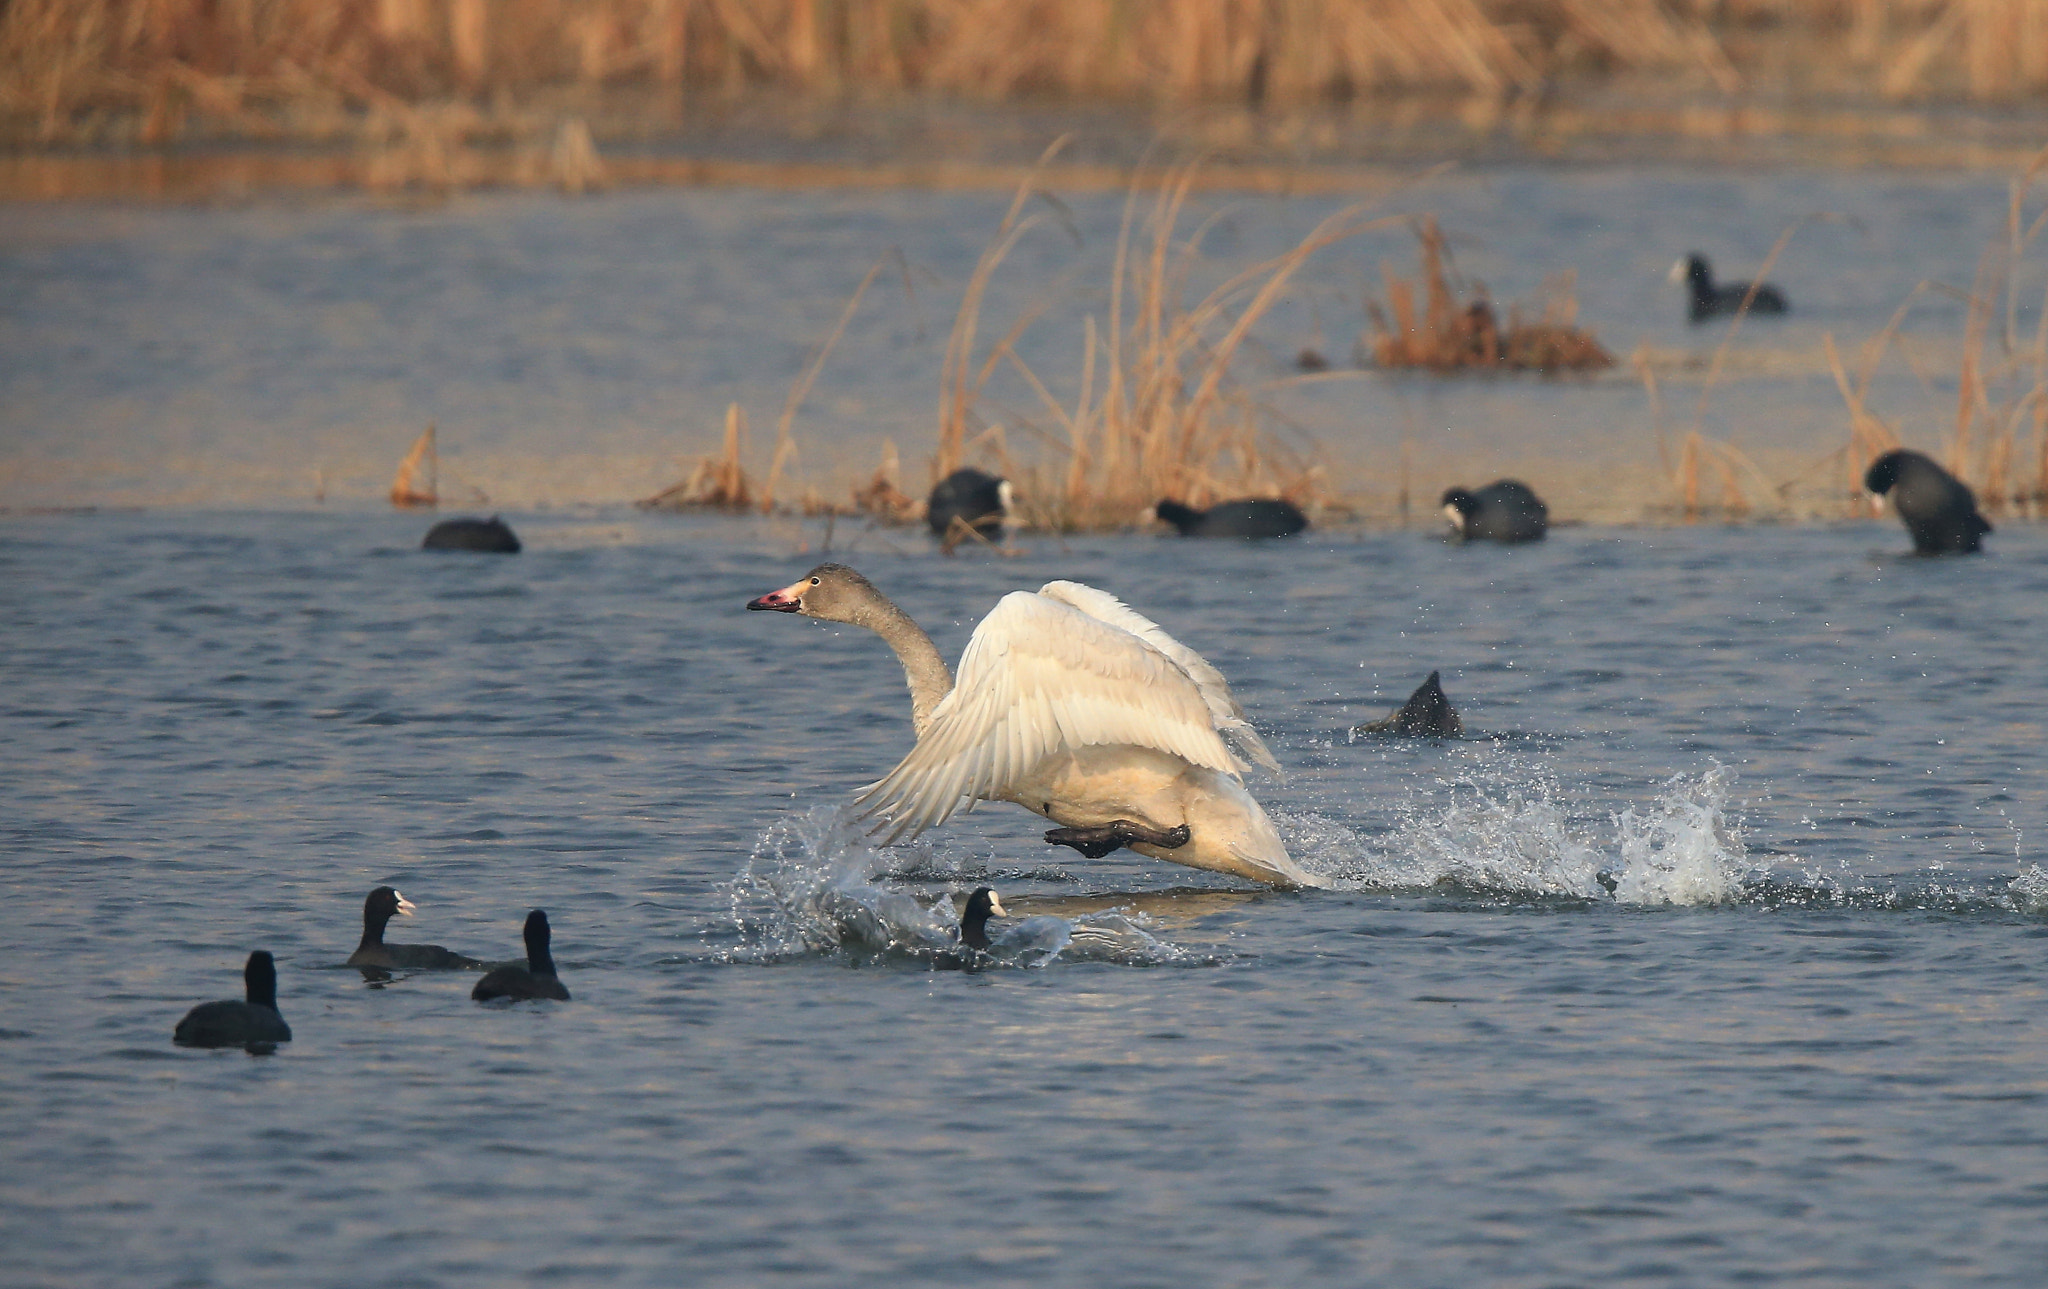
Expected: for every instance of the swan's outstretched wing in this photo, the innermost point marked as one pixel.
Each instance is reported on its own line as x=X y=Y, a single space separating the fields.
x=1223 y=706
x=1039 y=675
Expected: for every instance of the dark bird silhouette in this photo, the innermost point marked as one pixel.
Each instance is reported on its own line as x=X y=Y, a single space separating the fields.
x=1504 y=511
x=1711 y=301
x=1250 y=517
x=382 y=905
x=978 y=500
x=1936 y=507
x=971 y=942
x=981 y=906
x=493 y=536
x=1426 y=714
x=537 y=979
x=252 y=1022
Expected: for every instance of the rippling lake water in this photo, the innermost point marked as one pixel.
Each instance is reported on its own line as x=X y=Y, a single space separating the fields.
x=1799 y=1040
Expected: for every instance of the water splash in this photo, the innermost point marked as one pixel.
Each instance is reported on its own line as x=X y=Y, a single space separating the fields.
x=815 y=886
x=1508 y=828
x=2029 y=891
x=1683 y=849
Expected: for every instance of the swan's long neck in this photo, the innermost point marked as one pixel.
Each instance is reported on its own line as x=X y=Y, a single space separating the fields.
x=929 y=676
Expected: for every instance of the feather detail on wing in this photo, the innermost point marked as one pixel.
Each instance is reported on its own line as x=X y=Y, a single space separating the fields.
x=1223 y=705
x=1040 y=676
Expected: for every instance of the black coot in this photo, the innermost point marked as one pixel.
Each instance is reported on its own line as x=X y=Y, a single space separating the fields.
x=980 y=501
x=1426 y=714
x=382 y=905
x=537 y=979
x=1711 y=301
x=493 y=536
x=252 y=1022
x=971 y=953
x=1249 y=517
x=1504 y=511
x=981 y=906
x=1936 y=507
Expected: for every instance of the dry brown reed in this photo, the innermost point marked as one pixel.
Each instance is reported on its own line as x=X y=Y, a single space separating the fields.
x=715 y=482
x=260 y=64
x=417 y=482
x=1157 y=413
x=2001 y=409
x=1447 y=336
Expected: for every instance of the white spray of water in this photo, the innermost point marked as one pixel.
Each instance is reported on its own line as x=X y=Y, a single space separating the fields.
x=2029 y=891
x=809 y=888
x=1508 y=828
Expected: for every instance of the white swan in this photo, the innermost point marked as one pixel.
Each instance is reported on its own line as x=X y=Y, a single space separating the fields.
x=1076 y=707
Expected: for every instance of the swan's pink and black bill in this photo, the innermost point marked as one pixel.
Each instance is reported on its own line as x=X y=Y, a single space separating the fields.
x=785 y=600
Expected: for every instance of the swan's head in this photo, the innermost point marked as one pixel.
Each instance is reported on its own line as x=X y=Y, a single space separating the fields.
x=831 y=591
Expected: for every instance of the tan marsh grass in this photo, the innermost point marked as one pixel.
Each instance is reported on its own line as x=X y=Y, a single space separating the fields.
x=265 y=66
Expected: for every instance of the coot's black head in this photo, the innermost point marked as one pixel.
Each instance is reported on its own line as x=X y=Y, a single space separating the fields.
x=260 y=979
x=1884 y=472
x=1458 y=504
x=981 y=906
x=538 y=960
x=1180 y=516
x=383 y=904
x=1695 y=270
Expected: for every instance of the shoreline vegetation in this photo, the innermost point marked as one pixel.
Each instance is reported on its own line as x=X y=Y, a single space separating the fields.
x=191 y=99
x=1160 y=412
x=152 y=71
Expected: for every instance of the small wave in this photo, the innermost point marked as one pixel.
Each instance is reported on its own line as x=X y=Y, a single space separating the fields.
x=809 y=889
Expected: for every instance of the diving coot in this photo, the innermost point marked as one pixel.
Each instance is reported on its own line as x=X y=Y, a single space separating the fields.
x=537 y=979
x=1504 y=511
x=1426 y=714
x=1936 y=507
x=252 y=1023
x=492 y=536
x=1249 y=517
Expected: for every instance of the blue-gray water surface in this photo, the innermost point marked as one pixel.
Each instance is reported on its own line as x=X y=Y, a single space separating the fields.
x=1797 y=1042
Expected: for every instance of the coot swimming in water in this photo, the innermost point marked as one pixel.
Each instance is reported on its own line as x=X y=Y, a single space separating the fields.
x=1250 y=517
x=1936 y=507
x=384 y=903
x=249 y=1022
x=1722 y=301
x=980 y=501
x=537 y=979
x=1504 y=511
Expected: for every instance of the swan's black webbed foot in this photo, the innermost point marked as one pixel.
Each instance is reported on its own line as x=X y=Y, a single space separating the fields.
x=1100 y=839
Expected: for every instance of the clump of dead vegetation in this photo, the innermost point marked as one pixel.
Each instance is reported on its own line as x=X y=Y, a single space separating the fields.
x=1456 y=328
x=1157 y=412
